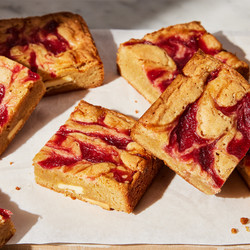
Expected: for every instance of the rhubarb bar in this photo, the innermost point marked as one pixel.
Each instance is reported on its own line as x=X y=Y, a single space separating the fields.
x=7 y=229
x=20 y=92
x=200 y=125
x=150 y=64
x=244 y=168
x=93 y=158
x=59 y=47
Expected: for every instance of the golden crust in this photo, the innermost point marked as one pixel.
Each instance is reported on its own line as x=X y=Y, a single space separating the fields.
x=183 y=29
x=196 y=100
x=150 y=71
x=58 y=46
x=114 y=173
x=21 y=90
x=244 y=168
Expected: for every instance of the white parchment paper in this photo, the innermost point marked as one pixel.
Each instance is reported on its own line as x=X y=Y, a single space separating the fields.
x=171 y=211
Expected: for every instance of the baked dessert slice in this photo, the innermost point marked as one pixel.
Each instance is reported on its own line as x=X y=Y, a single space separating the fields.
x=7 y=229
x=93 y=158
x=150 y=64
x=244 y=168
x=20 y=92
x=200 y=125
x=58 y=46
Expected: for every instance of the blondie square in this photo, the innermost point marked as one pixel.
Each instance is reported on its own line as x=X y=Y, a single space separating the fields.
x=200 y=125
x=20 y=92
x=93 y=158
x=59 y=47
x=7 y=229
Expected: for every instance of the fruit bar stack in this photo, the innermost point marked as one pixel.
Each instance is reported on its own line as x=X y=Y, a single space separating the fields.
x=150 y=64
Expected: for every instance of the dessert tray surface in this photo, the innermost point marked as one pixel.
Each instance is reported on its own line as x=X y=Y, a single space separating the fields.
x=171 y=211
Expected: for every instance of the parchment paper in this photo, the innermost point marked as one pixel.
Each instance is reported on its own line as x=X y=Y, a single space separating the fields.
x=171 y=211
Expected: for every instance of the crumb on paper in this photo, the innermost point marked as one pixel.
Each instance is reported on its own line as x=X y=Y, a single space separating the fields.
x=136 y=111
x=136 y=101
x=244 y=220
x=234 y=231
x=247 y=229
x=18 y=188
x=12 y=162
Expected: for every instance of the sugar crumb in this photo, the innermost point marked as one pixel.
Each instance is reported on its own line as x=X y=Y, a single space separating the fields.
x=244 y=220
x=234 y=231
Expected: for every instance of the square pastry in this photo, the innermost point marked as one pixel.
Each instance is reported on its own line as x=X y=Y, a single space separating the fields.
x=93 y=158
x=200 y=125
x=58 y=46
x=7 y=229
x=244 y=168
x=20 y=92
x=150 y=64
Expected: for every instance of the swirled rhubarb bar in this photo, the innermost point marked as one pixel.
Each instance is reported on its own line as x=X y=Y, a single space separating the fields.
x=93 y=158
x=58 y=46
x=200 y=125
x=20 y=92
x=244 y=168
x=150 y=64
x=7 y=229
